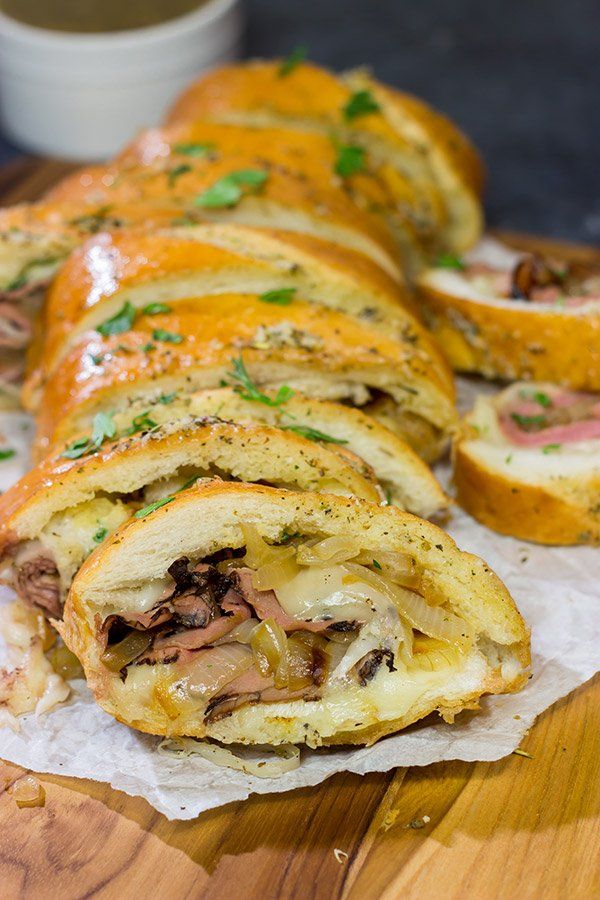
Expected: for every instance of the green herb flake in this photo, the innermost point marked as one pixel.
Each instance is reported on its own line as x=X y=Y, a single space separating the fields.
x=529 y=423
x=146 y=510
x=142 y=422
x=450 y=261
x=100 y=535
x=120 y=322
x=536 y=396
x=551 y=448
x=280 y=297
x=508 y=459
x=7 y=453
x=193 y=149
x=293 y=60
x=154 y=309
x=76 y=448
x=96 y=359
x=103 y=427
x=229 y=190
x=376 y=565
x=247 y=389
x=350 y=160
x=313 y=434
x=174 y=173
x=148 y=348
x=361 y=103
x=168 y=337
x=23 y=277
x=167 y=398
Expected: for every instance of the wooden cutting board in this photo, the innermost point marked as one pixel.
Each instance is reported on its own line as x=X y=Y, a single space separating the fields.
x=526 y=828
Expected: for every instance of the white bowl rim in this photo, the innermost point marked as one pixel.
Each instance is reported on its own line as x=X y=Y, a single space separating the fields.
x=204 y=15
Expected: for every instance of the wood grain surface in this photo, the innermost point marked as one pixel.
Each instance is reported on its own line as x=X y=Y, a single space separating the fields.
x=526 y=828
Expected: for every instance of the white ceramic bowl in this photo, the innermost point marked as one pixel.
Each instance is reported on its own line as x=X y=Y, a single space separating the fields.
x=82 y=96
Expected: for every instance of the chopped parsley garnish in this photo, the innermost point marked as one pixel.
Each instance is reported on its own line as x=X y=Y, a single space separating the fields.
x=537 y=396
x=174 y=173
x=153 y=309
x=23 y=276
x=293 y=60
x=146 y=510
x=97 y=359
x=388 y=497
x=450 y=261
x=247 y=389
x=7 y=453
x=120 y=322
x=169 y=337
x=377 y=565
x=163 y=502
x=192 y=149
x=350 y=160
x=229 y=190
x=280 y=297
x=313 y=434
x=93 y=222
x=100 y=535
x=508 y=459
x=148 y=348
x=167 y=398
x=362 y=103
x=103 y=427
x=551 y=448
x=529 y=423
x=142 y=422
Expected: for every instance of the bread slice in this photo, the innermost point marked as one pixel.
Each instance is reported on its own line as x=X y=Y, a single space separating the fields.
x=423 y=158
x=540 y=484
x=308 y=154
x=65 y=506
x=148 y=269
x=481 y=329
x=488 y=652
x=318 y=351
x=406 y=481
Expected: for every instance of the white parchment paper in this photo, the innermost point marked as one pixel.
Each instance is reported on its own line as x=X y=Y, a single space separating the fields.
x=556 y=589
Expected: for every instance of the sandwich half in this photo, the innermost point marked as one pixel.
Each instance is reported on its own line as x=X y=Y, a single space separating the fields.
x=58 y=513
x=254 y=615
x=508 y=314
x=527 y=464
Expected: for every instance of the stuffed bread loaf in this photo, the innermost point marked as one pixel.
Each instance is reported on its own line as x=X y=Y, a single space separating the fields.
x=329 y=620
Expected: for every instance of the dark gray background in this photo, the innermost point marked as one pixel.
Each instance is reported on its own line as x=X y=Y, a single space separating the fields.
x=522 y=77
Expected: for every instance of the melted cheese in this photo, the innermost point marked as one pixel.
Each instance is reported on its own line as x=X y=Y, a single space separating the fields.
x=72 y=534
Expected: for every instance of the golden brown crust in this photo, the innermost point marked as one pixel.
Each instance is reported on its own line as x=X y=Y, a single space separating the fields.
x=527 y=511
x=515 y=340
x=100 y=370
x=109 y=269
x=310 y=97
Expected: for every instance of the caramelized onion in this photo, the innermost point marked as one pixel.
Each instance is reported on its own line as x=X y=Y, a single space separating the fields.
x=65 y=663
x=121 y=654
x=215 y=667
x=271 y=763
x=270 y=648
x=329 y=551
x=434 y=621
x=28 y=792
x=258 y=552
x=431 y=655
x=276 y=572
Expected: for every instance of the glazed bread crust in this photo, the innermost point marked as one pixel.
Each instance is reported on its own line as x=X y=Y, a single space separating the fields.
x=511 y=339
x=304 y=345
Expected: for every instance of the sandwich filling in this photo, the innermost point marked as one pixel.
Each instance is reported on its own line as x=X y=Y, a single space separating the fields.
x=309 y=619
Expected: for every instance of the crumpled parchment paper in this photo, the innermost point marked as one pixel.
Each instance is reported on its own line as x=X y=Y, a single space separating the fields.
x=556 y=590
